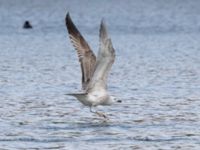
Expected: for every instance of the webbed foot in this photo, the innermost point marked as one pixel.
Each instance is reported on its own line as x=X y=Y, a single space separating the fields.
x=101 y=115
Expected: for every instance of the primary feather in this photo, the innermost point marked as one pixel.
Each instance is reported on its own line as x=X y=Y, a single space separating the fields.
x=86 y=57
x=105 y=59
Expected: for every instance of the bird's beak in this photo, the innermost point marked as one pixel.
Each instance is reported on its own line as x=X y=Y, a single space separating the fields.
x=119 y=101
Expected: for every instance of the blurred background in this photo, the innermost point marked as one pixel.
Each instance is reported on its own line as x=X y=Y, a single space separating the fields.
x=127 y=16
x=156 y=75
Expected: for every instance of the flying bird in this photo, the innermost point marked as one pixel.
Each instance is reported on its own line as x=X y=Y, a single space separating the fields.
x=94 y=69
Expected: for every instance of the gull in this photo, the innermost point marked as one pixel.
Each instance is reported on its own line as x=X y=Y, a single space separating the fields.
x=94 y=69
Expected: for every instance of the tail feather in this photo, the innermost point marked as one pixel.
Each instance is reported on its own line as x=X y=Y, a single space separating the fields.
x=77 y=95
x=80 y=96
x=71 y=94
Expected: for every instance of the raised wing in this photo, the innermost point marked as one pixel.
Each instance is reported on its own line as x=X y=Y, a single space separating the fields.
x=105 y=59
x=86 y=57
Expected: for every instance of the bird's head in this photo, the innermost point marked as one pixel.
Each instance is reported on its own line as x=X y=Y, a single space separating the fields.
x=115 y=100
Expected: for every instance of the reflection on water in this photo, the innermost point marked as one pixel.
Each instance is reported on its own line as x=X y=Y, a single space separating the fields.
x=156 y=75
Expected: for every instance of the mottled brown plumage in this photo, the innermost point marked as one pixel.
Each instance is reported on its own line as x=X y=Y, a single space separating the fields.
x=86 y=57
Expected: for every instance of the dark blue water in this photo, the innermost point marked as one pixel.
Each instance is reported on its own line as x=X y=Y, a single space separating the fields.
x=156 y=74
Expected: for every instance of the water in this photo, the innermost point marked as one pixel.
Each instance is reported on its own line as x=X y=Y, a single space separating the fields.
x=156 y=74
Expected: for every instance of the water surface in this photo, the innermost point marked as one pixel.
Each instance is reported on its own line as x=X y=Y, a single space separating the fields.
x=156 y=75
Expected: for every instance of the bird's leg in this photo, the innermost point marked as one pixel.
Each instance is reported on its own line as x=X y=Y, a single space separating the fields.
x=91 y=110
x=98 y=113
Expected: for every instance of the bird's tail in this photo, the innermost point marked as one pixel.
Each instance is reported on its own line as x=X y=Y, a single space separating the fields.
x=77 y=95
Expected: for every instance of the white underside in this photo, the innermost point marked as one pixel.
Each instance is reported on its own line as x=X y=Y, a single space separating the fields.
x=95 y=98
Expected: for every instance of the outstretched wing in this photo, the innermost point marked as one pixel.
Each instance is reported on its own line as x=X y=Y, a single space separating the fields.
x=105 y=59
x=86 y=57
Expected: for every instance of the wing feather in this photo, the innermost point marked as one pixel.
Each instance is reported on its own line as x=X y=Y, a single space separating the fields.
x=105 y=59
x=86 y=57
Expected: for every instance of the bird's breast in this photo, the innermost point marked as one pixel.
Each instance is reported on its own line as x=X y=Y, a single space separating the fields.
x=98 y=98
